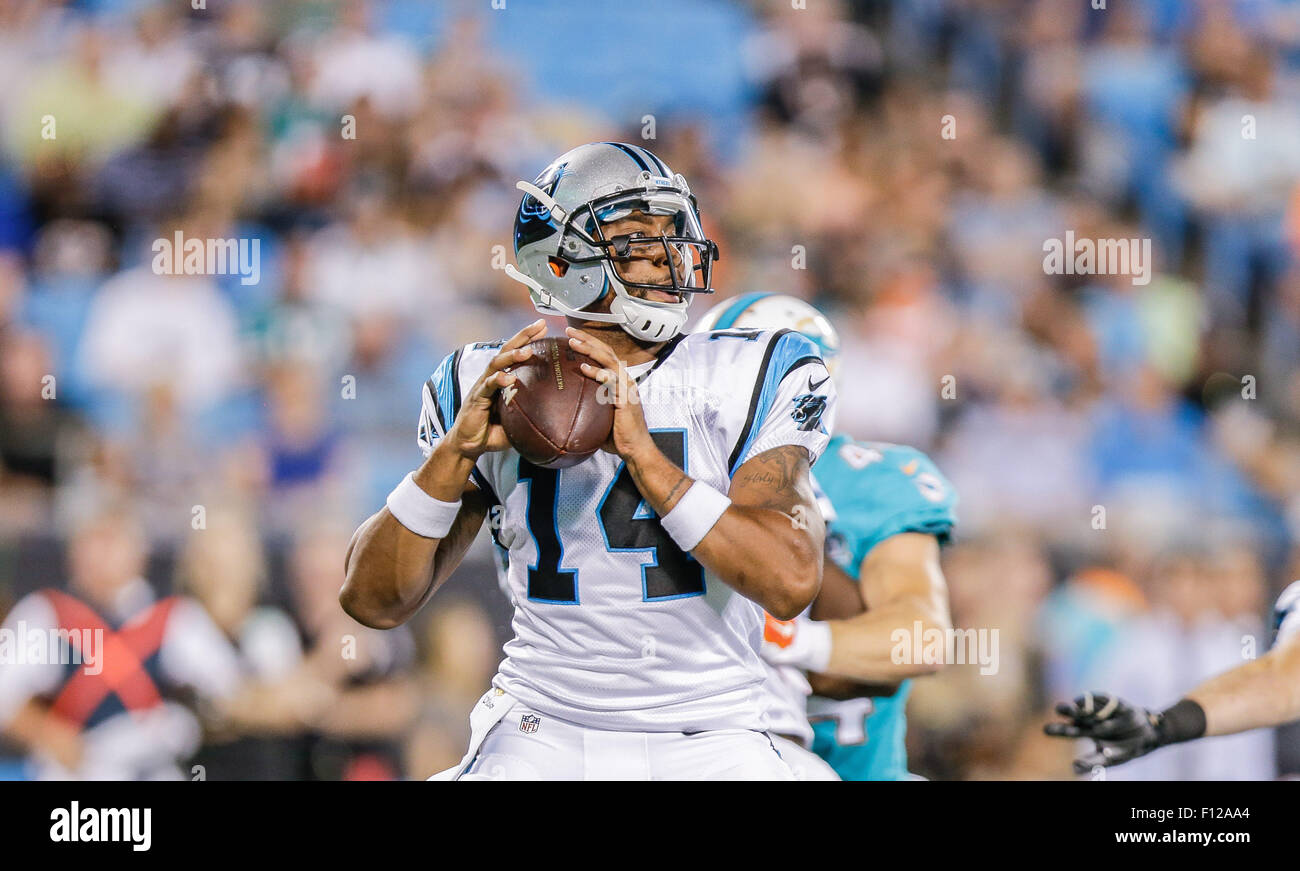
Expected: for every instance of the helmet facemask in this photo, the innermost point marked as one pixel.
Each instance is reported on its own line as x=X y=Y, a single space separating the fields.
x=688 y=253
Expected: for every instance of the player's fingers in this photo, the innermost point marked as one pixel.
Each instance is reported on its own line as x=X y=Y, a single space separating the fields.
x=1086 y=764
x=530 y=333
x=508 y=358
x=1114 y=754
x=516 y=349
x=577 y=333
x=589 y=345
x=1066 y=709
x=597 y=373
x=585 y=343
x=1089 y=760
x=490 y=384
x=617 y=385
x=1097 y=704
x=1111 y=729
x=1086 y=704
x=1063 y=730
x=1106 y=705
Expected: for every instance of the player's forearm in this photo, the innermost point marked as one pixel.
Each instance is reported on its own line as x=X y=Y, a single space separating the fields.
x=445 y=472
x=760 y=552
x=866 y=647
x=388 y=573
x=661 y=481
x=902 y=581
x=390 y=569
x=762 y=555
x=1258 y=694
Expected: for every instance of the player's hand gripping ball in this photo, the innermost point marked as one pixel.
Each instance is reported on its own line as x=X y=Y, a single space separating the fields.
x=553 y=414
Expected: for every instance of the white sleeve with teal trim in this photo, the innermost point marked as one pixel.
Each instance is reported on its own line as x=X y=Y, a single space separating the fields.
x=440 y=401
x=440 y=398
x=796 y=403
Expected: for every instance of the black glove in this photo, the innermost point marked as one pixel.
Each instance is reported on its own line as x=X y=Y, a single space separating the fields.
x=1121 y=731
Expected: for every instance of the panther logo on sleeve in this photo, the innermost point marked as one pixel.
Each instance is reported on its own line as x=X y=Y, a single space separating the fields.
x=808 y=411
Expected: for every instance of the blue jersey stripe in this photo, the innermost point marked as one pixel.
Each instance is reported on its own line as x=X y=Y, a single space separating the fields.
x=787 y=350
x=455 y=383
x=448 y=391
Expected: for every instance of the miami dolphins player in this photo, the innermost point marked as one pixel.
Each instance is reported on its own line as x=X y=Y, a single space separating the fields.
x=888 y=510
x=1256 y=695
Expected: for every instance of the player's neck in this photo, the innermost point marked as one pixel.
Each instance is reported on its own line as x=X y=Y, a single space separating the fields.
x=629 y=349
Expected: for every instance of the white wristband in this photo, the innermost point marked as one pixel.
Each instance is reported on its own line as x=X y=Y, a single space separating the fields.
x=815 y=639
x=694 y=515
x=420 y=512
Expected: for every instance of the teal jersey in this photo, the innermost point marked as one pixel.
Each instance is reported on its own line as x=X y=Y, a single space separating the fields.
x=876 y=491
x=862 y=739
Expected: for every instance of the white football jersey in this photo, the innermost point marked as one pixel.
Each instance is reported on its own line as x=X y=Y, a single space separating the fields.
x=615 y=626
x=785 y=692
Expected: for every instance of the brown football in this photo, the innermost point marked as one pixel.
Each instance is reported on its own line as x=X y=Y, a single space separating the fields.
x=552 y=413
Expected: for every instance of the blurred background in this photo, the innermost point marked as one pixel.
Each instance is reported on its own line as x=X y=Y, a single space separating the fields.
x=899 y=164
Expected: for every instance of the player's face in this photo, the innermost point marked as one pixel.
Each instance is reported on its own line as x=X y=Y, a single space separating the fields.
x=646 y=264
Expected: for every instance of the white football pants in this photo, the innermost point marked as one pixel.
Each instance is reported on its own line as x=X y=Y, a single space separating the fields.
x=805 y=764
x=511 y=742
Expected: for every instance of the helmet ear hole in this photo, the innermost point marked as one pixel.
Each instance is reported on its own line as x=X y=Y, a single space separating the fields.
x=558 y=267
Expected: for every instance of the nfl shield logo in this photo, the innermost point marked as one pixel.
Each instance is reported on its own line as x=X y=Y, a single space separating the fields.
x=529 y=723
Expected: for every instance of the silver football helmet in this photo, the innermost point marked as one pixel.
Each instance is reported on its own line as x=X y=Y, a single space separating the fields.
x=568 y=262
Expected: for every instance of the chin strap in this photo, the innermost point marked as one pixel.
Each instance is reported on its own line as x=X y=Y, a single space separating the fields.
x=647 y=322
x=546 y=303
x=651 y=323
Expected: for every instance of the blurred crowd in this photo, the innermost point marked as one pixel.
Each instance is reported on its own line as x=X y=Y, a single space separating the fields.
x=1127 y=455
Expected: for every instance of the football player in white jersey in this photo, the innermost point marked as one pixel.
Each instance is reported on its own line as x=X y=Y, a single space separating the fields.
x=1261 y=693
x=630 y=659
